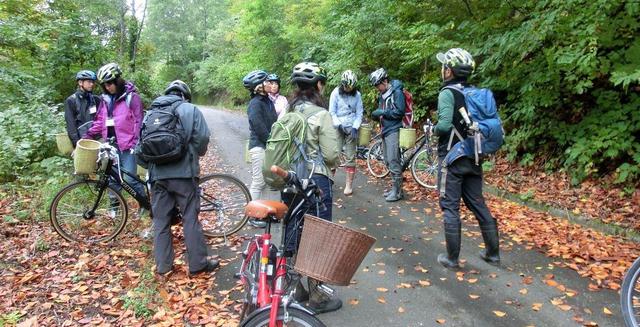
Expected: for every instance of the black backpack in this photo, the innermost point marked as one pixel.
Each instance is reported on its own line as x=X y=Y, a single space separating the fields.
x=162 y=138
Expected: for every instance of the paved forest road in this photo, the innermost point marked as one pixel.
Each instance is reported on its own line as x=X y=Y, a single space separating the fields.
x=409 y=238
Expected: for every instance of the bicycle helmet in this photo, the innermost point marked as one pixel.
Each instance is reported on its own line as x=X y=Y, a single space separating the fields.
x=459 y=60
x=378 y=76
x=86 y=75
x=179 y=86
x=109 y=72
x=308 y=72
x=253 y=79
x=348 y=79
x=273 y=77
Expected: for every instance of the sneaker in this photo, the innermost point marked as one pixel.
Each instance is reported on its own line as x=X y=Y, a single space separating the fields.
x=211 y=266
x=258 y=223
x=147 y=233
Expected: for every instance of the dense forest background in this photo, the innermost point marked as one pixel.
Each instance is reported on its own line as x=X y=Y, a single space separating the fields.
x=566 y=72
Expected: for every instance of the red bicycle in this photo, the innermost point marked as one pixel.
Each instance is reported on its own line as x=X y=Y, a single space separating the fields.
x=266 y=273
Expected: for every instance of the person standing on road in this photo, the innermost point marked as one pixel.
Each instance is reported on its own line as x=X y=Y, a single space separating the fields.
x=120 y=117
x=463 y=177
x=175 y=184
x=322 y=147
x=345 y=106
x=280 y=102
x=391 y=107
x=262 y=114
x=80 y=108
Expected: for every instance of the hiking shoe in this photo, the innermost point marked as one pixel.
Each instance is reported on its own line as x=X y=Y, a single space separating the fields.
x=257 y=223
x=210 y=267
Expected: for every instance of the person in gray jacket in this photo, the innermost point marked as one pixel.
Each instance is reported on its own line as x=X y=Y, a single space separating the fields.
x=345 y=106
x=391 y=106
x=175 y=184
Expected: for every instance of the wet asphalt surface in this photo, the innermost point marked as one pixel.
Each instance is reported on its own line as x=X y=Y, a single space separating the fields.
x=403 y=261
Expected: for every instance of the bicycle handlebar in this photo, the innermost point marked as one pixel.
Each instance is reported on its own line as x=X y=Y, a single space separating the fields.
x=280 y=172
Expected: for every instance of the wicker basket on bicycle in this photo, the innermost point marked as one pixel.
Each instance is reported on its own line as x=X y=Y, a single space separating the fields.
x=330 y=252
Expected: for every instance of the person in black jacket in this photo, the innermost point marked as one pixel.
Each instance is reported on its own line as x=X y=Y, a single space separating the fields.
x=262 y=114
x=80 y=107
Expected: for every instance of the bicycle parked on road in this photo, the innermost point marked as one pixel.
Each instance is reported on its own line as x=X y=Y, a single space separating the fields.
x=630 y=295
x=421 y=159
x=266 y=273
x=93 y=210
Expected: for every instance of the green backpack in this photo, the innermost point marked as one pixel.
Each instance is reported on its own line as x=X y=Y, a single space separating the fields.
x=286 y=147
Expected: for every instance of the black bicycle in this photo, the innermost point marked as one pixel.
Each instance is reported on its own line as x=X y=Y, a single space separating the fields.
x=93 y=209
x=421 y=158
x=630 y=295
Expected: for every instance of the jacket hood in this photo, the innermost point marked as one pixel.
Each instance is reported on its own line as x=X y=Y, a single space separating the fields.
x=129 y=87
x=396 y=84
x=165 y=100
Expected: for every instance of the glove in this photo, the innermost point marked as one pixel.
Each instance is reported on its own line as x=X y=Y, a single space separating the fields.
x=354 y=134
x=377 y=113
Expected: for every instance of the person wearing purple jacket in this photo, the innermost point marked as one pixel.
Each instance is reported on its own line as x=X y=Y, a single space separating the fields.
x=119 y=116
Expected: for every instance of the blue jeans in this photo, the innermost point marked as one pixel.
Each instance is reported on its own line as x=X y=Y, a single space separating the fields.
x=323 y=210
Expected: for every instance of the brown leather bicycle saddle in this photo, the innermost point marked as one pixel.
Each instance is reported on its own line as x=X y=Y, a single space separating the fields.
x=263 y=209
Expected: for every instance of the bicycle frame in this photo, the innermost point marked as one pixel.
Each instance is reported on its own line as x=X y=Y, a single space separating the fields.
x=271 y=294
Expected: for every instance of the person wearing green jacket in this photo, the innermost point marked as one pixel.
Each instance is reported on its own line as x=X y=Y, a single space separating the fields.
x=391 y=107
x=322 y=147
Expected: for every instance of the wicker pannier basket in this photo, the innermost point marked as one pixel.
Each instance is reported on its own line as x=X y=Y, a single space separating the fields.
x=85 y=157
x=64 y=144
x=330 y=252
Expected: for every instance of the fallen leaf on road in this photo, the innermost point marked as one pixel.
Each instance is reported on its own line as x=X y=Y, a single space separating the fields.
x=382 y=300
x=401 y=309
x=378 y=249
x=474 y=296
x=354 y=302
x=564 y=307
x=607 y=311
x=472 y=280
x=424 y=283
x=536 y=306
x=381 y=289
x=441 y=321
x=524 y=291
x=500 y=313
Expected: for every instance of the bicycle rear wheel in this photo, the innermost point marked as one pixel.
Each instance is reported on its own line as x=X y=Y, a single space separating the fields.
x=424 y=168
x=73 y=216
x=297 y=318
x=375 y=160
x=222 y=202
x=630 y=295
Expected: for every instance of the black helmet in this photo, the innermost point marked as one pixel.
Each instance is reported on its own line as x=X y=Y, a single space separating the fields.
x=253 y=79
x=86 y=75
x=308 y=72
x=179 y=86
x=378 y=76
x=273 y=77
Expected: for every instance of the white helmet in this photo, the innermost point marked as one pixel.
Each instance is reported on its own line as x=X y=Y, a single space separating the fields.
x=459 y=60
x=378 y=76
x=348 y=78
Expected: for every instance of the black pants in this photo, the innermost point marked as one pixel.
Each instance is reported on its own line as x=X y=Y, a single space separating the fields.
x=183 y=193
x=462 y=179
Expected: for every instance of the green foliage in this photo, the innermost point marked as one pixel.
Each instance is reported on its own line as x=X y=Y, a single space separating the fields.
x=10 y=318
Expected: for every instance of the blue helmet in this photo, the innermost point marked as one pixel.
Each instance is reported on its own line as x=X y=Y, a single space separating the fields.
x=86 y=75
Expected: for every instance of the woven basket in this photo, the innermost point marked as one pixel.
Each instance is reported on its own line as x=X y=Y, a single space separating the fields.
x=64 y=144
x=330 y=252
x=407 y=137
x=364 y=135
x=85 y=157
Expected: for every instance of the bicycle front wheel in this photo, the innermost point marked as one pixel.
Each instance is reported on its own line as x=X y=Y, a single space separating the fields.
x=630 y=295
x=88 y=211
x=424 y=168
x=222 y=202
x=297 y=317
x=375 y=160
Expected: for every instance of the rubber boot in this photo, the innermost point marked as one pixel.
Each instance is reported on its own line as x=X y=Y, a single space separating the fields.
x=348 y=188
x=319 y=301
x=452 y=237
x=491 y=251
x=300 y=294
x=396 y=191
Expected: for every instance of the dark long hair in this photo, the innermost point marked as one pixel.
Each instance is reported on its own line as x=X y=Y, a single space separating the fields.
x=307 y=92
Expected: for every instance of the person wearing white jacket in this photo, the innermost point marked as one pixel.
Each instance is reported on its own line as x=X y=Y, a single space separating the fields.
x=345 y=106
